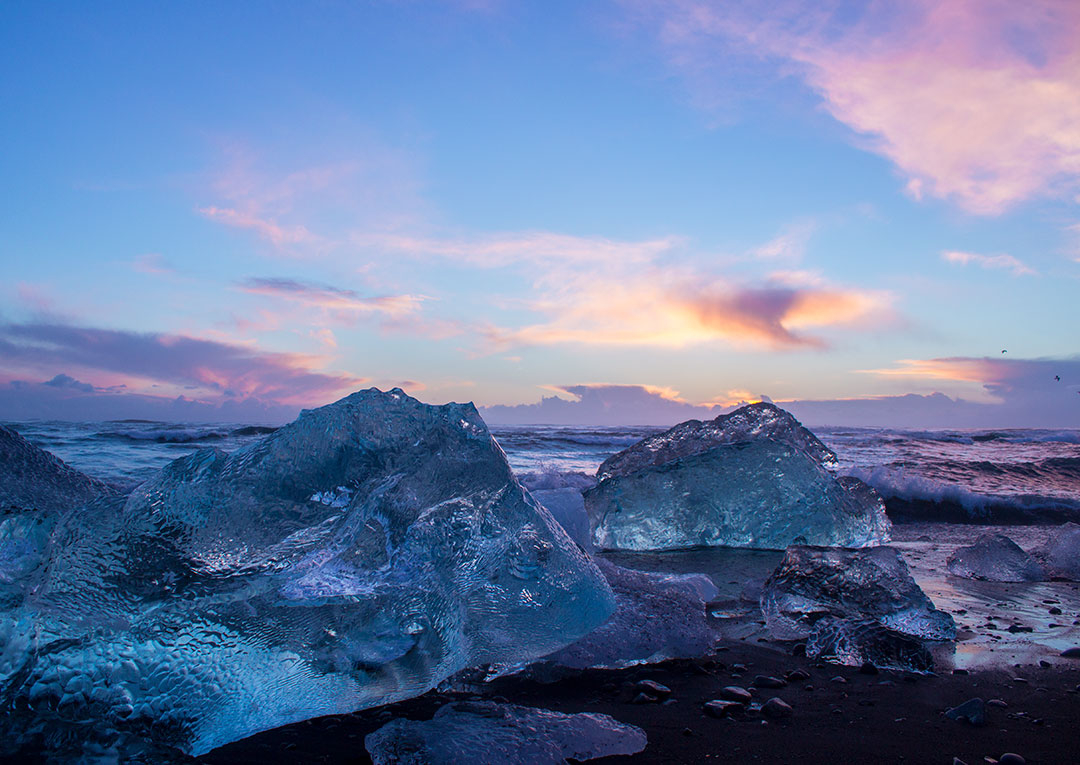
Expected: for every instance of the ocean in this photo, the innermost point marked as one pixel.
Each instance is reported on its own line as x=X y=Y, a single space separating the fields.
x=950 y=487
x=967 y=476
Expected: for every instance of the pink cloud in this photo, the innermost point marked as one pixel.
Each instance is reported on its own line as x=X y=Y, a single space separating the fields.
x=523 y=247
x=154 y=264
x=333 y=299
x=1002 y=261
x=267 y=228
x=198 y=367
x=973 y=100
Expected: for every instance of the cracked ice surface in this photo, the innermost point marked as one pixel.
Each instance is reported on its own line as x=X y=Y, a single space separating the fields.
x=995 y=558
x=762 y=493
x=752 y=422
x=487 y=733
x=812 y=583
x=357 y=556
x=853 y=642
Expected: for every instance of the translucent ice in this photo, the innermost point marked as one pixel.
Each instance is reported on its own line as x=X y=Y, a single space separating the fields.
x=1061 y=554
x=748 y=423
x=657 y=617
x=995 y=558
x=487 y=733
x=853 y=642
x=761 y=493
x=357 y=556
x=812 y=583
x=33 y=479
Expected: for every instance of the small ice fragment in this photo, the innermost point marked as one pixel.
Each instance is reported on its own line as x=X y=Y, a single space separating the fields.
x=488 y=733
x=812 y=583
x=995 y=558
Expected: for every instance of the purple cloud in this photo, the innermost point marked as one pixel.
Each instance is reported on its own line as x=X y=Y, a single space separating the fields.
x=214 y=369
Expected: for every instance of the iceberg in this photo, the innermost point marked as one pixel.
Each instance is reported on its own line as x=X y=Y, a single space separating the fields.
x=763 y=493
x=995 y=558
x=747 y=423
x=358 y=556
x=488 y=733
x=33 y=479
x=813 y=583
x=854 y=642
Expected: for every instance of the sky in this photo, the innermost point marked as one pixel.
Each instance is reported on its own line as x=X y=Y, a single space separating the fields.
x=631 y=210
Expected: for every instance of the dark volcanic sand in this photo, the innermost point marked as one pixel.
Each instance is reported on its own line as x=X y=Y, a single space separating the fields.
x=886 y=718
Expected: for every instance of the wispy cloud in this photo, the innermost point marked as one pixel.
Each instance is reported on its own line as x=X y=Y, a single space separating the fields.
x=277 y=233
x=789 y=244
x=333 y=299
x=975 y=101
x=154 y=264
x=1043 y=383
x=512 y=248
x=204 y=367
x=1001 y=261
x=305 y=208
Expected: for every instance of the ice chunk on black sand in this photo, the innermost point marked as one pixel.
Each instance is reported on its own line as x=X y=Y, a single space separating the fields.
x=489 y=733
x=995 y=558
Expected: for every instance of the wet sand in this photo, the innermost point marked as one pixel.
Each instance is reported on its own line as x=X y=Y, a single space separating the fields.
x=883 y=718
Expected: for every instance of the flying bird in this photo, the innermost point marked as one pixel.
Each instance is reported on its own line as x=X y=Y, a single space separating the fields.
x=1004 y=351
x=1057 y=378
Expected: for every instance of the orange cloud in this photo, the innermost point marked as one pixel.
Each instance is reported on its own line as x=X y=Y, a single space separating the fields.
x=658 y=308
x=973 y=100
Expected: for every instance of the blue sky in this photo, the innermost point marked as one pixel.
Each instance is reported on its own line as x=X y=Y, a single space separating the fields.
x=261 y=206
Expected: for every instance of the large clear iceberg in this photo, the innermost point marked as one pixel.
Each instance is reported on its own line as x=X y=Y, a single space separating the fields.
x=747 y=423
x=33 y=479
x=760 y=493
x=813 y=583
x=355 y=557
x=488 y=733
x=995 y=558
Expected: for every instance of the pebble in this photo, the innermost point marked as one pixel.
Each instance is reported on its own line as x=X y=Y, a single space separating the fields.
x=735 y=693
x=868 y=668
x=653 y=688
x=960 y=672
x=1045 y=664
x=644 y=698
x=1010 y=758
x=839 y=679
x=1055 y=611
x=1071 y=653
x=719 y=708
x=972 y=711
x=768 y=681
x=997 y=703
x=776 y=708
x=796 y=675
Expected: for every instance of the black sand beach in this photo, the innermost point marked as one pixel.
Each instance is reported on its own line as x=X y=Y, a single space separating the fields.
x=840 y=715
